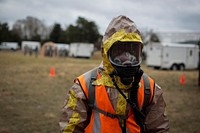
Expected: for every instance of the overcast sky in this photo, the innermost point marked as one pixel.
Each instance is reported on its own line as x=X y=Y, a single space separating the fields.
x=159 y=15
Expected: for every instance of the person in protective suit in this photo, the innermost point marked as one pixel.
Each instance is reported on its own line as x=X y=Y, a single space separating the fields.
x=117 y=96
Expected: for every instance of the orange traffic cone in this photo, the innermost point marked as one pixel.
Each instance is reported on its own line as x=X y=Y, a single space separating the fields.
x=52 y=72
x=182 y=79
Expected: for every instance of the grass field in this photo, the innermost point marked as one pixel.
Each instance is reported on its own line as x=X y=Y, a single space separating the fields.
x=31 y=100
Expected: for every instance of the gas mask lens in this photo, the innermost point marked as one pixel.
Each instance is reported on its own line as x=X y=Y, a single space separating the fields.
x=125 y=53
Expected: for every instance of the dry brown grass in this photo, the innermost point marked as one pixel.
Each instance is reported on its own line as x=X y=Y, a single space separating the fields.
x=30 y=100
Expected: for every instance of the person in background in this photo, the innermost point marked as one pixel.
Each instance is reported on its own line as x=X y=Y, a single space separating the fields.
x=36 y=51
x=117 y=96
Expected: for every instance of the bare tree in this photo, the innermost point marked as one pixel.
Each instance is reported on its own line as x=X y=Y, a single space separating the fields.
x=30 y=28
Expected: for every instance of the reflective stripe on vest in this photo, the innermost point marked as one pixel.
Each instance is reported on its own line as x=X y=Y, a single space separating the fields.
x=100 y=123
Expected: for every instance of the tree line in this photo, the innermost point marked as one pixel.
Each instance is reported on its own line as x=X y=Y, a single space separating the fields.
x=33 y=29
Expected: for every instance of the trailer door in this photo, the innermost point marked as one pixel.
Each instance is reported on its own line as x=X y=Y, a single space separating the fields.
x=191 y=58
x=154 y=55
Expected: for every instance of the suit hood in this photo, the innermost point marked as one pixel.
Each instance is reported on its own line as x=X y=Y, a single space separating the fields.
x=120 y=29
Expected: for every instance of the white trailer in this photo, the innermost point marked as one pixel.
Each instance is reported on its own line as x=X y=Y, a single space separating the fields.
x=172 y=56
x=30 y=45
x=9 y=46
x=62 y=46
x=81 y=50
x=62 y=49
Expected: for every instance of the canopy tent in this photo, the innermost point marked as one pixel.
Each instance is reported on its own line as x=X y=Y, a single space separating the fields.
x=49 y=49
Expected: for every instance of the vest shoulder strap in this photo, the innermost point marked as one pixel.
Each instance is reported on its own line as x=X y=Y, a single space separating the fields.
x=89 y=76
x=91 y=89
x=147 y=92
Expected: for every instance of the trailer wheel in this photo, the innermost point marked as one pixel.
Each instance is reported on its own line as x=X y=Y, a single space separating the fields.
x=174 y=67
x=156 y=67
x=13 y=49
x=181 y=67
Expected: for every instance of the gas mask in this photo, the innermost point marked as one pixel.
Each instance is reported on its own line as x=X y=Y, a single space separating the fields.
x=125 y=57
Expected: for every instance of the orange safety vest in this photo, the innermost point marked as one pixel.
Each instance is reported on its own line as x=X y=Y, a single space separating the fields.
x=101 y=123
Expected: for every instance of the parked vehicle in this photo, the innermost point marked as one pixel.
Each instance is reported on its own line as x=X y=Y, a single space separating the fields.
x=81 y=50
x=9 y=46
x=62 y=49
x=30 y=45
x=172 y=56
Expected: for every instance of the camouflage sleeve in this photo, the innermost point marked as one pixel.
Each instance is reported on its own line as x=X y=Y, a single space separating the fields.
x=74 y=113
x=156 y=119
